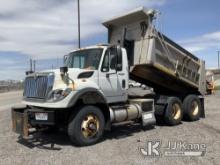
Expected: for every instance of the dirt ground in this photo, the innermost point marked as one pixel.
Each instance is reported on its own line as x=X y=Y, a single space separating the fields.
x=120 y=146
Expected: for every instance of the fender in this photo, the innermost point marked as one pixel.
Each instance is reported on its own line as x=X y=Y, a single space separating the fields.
x=90 y=95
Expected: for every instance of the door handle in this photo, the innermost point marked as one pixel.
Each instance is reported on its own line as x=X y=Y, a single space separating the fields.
x=121 y=74
x=108 y=74
x=123 y=83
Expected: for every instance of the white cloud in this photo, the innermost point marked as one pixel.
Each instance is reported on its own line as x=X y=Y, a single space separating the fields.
x=203 y=42
x=45 y=29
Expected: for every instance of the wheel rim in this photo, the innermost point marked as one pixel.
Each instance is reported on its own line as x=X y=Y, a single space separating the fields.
x=90 y=126
x=176 y=111
x=194 y=108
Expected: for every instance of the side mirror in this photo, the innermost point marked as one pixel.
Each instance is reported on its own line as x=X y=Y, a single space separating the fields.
x=118 y=50
x=63 y=70
x=65 y=59
x=119 y=58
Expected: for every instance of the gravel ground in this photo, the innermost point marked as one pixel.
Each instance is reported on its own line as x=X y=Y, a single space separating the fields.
x=120 y=146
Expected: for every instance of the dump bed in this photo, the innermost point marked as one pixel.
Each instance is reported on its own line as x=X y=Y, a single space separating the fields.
x=154 y=59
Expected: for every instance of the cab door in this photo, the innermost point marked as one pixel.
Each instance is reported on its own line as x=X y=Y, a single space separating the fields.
x=111 y=77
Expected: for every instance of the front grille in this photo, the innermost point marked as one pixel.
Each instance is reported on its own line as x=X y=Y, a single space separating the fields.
x=38 y=86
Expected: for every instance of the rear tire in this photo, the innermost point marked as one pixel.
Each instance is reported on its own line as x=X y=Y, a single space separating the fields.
x=192 y=108
x=173 y=112
x=86 y=127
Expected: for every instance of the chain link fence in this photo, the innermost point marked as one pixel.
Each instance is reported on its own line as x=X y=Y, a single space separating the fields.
x=6 y=86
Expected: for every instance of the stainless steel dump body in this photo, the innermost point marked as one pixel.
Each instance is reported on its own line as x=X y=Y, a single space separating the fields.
x=154 y=59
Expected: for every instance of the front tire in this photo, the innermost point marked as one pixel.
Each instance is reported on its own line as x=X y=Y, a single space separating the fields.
x=192 y=108
x=174 y=112
x=87 y=126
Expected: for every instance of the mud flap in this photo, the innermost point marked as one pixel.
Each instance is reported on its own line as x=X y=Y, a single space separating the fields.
x=20 y=123
x=203 y=107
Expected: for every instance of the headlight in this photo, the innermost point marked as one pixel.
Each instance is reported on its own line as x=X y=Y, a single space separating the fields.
x=59 y=94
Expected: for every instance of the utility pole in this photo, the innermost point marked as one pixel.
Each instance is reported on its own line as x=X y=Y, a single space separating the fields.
x=79 y=44
x=218 y=59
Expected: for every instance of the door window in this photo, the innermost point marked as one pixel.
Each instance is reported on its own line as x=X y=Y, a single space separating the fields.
x=105 y=64
x=112 y=60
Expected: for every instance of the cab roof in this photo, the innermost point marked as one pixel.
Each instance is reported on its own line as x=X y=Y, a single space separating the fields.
x=102 y=45
x=140 y=13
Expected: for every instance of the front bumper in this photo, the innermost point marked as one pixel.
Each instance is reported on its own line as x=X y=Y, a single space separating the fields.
x=23 y=120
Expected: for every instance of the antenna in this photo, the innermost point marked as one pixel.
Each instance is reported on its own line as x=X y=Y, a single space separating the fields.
x=34 y=65
x=218 y=59
x=30 y=64
x=79 y=44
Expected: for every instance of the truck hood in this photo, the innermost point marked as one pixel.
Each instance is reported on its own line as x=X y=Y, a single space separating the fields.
x=73 y=73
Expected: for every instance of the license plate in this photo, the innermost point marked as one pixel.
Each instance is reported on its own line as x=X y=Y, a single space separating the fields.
x=41 y=116
x=148 y=116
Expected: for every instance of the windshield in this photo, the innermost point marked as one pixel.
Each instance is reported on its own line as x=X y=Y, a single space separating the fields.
x=85 y=59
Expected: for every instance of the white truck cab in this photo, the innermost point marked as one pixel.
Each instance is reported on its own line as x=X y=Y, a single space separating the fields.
x=103 y=68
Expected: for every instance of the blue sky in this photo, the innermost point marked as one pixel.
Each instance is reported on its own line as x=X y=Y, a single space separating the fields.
x=46 y=30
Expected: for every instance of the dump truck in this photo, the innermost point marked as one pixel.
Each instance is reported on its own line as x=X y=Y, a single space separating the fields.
x=90 y=93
